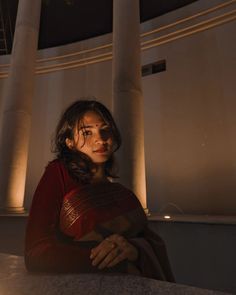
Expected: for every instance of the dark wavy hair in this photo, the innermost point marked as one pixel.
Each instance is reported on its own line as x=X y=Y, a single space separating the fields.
x=79 y=165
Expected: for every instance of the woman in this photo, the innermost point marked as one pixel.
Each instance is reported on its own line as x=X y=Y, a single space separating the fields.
x=79 y=220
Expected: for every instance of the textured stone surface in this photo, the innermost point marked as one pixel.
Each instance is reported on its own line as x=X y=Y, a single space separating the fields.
x=15 y=280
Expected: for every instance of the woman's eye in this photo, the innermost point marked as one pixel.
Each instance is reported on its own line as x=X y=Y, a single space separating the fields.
x=86 y=132
x=106 y=131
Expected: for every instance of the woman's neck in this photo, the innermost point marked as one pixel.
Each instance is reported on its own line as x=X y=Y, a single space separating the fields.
x=99 y=174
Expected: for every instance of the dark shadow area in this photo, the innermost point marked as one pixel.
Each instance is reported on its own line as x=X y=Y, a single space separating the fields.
x=201 y=255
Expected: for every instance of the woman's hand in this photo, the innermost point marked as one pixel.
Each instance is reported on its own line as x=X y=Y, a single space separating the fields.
x=113 y=250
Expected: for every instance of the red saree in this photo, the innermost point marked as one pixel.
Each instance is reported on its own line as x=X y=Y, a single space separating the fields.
x=68 y=219
x=93 y=212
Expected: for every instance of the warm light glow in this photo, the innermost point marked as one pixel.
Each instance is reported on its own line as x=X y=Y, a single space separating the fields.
x=167 y=216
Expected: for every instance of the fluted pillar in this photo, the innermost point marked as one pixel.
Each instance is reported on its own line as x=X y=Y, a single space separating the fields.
x=17 y=102
x=127 y=95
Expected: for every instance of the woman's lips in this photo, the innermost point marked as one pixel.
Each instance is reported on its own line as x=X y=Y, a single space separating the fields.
x=101 y=151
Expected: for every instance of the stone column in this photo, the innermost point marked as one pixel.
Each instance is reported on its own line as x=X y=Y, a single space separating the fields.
x=17 y=101
x=127 y=95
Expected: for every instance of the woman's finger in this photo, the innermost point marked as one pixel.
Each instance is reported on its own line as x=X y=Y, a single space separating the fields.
x=101 y=246
x=120 y=257
x=109 y=258
x=124 y=245
x=101 y=251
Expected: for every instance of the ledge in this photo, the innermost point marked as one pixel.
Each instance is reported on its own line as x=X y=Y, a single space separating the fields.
x=207 y=219
x=15 y=280
x=184 y=218
x=11 y=214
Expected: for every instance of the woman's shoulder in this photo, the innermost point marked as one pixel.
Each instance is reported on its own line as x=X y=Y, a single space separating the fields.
x=55 y=164
x=53 y=168
x=57 y=168
x=56 y=174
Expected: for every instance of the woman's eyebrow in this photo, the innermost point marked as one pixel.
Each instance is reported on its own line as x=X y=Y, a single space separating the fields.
x=85 y=127
x=92 y=126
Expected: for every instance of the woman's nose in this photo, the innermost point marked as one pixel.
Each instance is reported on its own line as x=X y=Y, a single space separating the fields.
x=99 y=137
x=102 y=136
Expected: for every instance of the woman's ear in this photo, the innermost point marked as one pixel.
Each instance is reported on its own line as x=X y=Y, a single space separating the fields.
x=69 y=143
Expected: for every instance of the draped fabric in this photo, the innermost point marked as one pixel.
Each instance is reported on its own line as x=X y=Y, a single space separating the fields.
x=68 y=219
x=93 y=212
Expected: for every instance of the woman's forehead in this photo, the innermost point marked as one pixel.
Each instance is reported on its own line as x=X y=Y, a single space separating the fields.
x=91 y=118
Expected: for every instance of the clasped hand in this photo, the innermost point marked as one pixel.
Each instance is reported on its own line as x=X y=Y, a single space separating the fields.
x=113 y=250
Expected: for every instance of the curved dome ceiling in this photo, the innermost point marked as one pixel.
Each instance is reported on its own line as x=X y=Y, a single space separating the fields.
x=67 y=21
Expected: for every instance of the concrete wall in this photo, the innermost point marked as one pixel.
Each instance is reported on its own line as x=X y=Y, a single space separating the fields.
x=190 y=115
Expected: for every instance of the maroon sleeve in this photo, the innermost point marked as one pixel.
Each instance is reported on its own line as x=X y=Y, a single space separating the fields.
x=44 y=250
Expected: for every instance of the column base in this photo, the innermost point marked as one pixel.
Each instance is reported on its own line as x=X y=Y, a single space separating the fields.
x=147 y=212
x=13 y=211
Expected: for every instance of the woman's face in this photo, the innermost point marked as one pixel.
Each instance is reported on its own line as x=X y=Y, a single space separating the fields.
x=93 y=137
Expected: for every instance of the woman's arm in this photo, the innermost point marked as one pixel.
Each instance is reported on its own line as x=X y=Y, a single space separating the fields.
x=44 y=250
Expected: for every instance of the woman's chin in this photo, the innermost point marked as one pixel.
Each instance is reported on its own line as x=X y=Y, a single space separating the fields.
x=100 y=158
